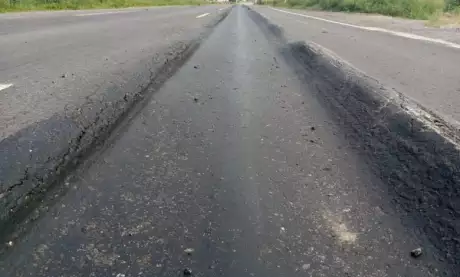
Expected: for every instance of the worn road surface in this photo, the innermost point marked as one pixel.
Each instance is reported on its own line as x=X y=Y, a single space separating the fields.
x=233 y=168
x=67 y=77
x=52 y=62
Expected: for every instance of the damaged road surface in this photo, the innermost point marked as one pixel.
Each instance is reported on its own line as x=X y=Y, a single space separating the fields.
x=67 y=78
x=239 y=165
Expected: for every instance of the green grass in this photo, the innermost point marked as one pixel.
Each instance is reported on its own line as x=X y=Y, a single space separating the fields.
x=417 y=9
x=27 y=5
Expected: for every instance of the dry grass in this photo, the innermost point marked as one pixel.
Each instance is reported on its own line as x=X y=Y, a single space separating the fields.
x=448 y=19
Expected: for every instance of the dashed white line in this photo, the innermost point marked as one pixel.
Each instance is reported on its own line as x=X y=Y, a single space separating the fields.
x=376 y=29
x=202 y=15
x=5 y=86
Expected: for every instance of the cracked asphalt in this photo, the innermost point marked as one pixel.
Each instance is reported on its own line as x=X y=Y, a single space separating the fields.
x=67 y=77
x=234 y=167
x=58 y=61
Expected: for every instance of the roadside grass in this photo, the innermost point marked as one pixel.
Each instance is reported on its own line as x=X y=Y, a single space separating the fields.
x=449 y=19
x=29 y=5
x=415 y=9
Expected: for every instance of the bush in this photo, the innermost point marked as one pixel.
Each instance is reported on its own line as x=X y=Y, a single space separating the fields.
x=452 y=5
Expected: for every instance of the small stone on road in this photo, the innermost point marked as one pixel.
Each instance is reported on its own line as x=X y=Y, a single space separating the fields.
x=417 y=252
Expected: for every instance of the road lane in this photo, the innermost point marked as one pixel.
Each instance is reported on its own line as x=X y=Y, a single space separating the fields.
x=422 y=71
x=236 y=159
x=74 y=78
x=59 y=62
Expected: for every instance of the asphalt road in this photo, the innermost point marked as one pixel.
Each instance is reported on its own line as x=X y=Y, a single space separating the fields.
x=233 y=168
x=419 y=69
x=67 y=77
x=56 y=61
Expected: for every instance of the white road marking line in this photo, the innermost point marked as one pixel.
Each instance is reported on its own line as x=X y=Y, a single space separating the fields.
x=102 y=13
x=5 y=86
x=202 y=15
x=376 y=29
x=221 y=9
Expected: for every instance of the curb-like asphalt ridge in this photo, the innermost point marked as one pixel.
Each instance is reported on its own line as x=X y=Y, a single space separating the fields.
x=413 y=151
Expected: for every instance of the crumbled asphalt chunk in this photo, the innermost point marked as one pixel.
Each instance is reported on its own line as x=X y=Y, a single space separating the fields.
x=312 y=128
x=187 y=272
x=195 y=99
x=189 y=251
x=417 y=252
x=63 y=75
x=196 y=66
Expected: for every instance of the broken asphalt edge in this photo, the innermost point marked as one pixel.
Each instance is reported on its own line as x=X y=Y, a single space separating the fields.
x=90 y=125
x=414 y=151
